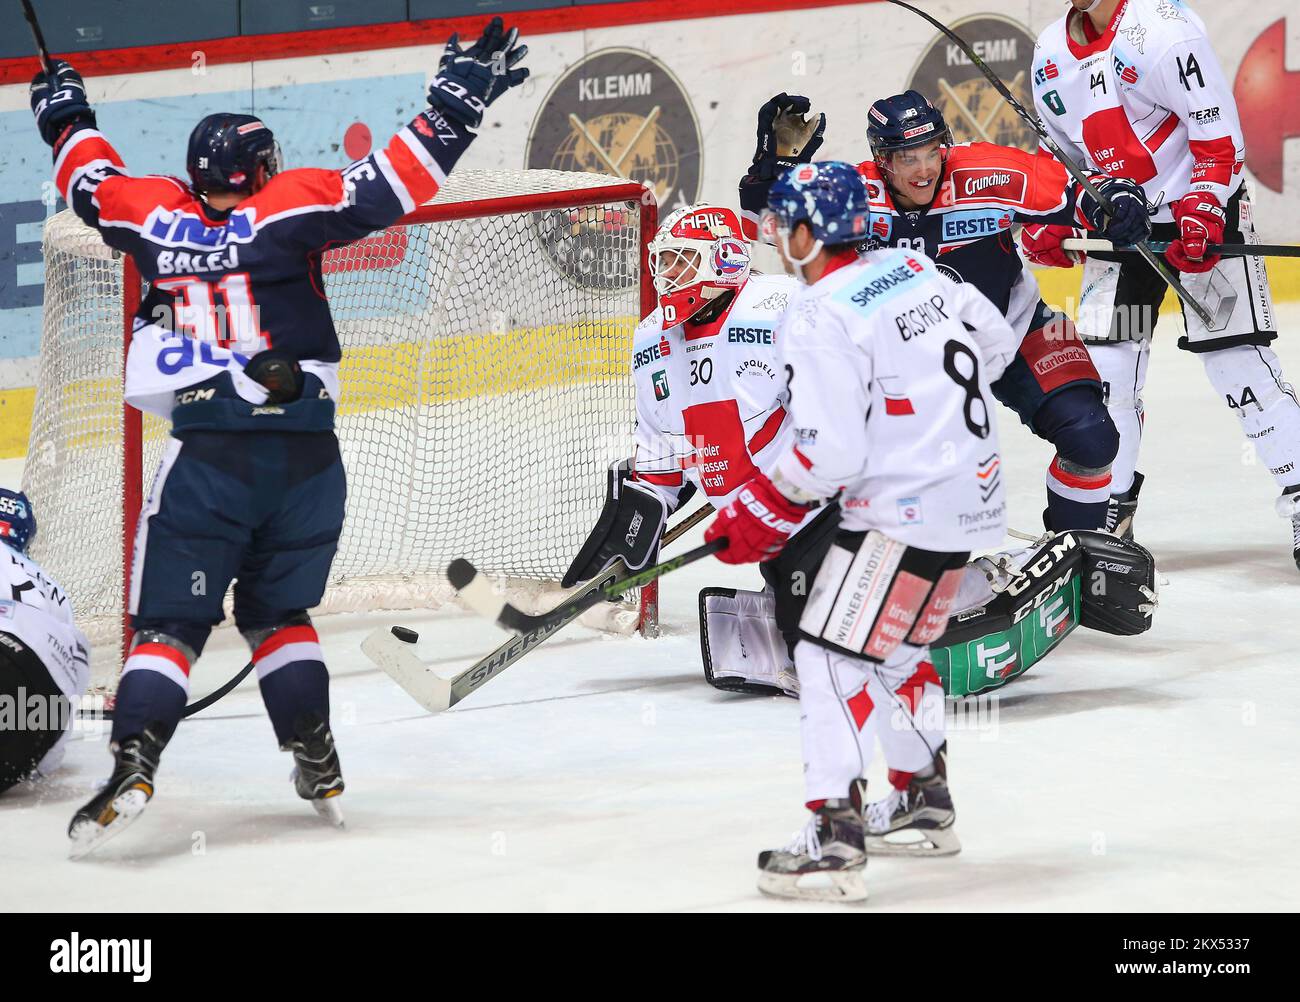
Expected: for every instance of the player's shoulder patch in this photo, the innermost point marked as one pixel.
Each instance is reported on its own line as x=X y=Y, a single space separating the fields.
x=298 y=190
x=131 y=200
x=988 y=172
x=769 y=293
x=878 y=277
x=650 y=345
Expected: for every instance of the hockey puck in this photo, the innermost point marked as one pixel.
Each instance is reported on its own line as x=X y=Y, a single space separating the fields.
x=406 y=636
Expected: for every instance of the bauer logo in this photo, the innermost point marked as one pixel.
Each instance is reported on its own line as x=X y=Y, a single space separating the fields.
x=972 y=108
x=616 y=111
x=75 y=955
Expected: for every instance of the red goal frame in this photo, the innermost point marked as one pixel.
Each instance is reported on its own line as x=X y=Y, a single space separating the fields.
x=574 y=198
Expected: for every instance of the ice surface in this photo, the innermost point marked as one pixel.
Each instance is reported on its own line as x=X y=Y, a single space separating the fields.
x=602 y=773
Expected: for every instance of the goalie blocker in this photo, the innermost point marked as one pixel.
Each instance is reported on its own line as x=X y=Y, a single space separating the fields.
x=629 y=528
x=1006 y=620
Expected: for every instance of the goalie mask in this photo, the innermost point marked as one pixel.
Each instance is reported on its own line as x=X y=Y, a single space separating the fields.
x=696 y=256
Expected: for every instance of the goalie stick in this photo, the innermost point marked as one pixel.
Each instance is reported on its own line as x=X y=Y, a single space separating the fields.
x=1211 y=322
x=393 y=649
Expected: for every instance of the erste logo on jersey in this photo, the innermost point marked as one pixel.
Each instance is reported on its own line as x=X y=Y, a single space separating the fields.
x=652 y=354
x=975 y=223
x=1126 y=71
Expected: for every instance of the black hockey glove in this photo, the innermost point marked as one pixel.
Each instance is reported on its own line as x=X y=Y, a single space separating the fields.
x=785 y=136
x=468 y=81
x=1129 y=221
x=59 y=102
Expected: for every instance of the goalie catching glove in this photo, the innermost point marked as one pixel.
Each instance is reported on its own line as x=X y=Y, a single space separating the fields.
x=628 y=529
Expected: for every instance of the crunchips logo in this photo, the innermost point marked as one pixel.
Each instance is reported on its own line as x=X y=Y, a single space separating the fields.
x=1006 y=184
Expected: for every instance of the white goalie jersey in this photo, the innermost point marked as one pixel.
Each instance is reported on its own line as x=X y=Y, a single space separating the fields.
x=889 y=364
x=711 y=398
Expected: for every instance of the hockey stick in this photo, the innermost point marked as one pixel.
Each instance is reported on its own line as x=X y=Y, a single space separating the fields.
x=474 y=588
x=393 y=650
x=1228 y=250
x=1211 y=322
x=30 y=13
x=192 y=708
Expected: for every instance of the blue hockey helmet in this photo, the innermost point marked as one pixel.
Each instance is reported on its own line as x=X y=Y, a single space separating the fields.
x=17 y=521
x=905 y=121
x=831 y=197
x=226 y=149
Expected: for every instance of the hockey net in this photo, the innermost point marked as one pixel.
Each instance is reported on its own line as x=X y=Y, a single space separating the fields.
x=485 y=391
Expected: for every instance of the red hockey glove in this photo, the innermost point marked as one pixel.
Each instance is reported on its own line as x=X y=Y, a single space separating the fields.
x=1042 y=244
x=757 y=524
x=1200 y=220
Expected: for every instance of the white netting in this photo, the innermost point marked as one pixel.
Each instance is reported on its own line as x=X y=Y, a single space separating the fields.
x=485 y=391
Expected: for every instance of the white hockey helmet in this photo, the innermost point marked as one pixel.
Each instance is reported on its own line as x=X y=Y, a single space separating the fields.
x=696 y=255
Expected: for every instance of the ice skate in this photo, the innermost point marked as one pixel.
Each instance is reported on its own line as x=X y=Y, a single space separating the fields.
x=916 y=820
x=1123 y=508
x=826 y=860
x=122 y=799
x=316 y=774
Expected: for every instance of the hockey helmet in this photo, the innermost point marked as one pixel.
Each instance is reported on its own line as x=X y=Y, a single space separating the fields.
x=17 y=521
x=903 y=122
x=226 y=149
x=830 y=197
x=696 y=255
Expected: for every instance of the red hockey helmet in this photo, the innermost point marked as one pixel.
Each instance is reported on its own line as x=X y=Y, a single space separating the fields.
x=696 y=255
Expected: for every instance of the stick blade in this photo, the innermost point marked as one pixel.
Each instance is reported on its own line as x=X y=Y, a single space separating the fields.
x=396 y=658
x=474 y=590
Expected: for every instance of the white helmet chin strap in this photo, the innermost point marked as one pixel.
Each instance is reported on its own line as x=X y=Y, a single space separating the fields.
x=784 y=237
x=1092 y=6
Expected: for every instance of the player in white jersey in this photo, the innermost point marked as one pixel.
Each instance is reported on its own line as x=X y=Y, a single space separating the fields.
x=711 y=413
x=1133 y=88
x=888 y=365
x=44 y=658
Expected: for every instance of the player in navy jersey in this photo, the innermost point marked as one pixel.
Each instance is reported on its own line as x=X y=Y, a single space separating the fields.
x=234 y=343
x=957 y=204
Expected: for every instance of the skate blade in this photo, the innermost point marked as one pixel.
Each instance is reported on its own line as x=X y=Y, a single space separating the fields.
x=848 y=886
x=914 y=842
x=88 y=835
x=330 y=809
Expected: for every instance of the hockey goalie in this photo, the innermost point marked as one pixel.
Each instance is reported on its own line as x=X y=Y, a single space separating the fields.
x=711 y=412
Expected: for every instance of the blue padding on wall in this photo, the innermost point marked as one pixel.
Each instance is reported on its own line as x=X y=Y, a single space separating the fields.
x=263 y=17
x=83 y=25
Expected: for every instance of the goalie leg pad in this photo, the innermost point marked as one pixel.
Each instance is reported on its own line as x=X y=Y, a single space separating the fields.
x=629 y=529
x=741 y=645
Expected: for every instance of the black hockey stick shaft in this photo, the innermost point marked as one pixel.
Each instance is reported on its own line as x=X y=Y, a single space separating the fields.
x=29 y=12
x=1034 y=123
x=212 y=697
x=194 y=707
